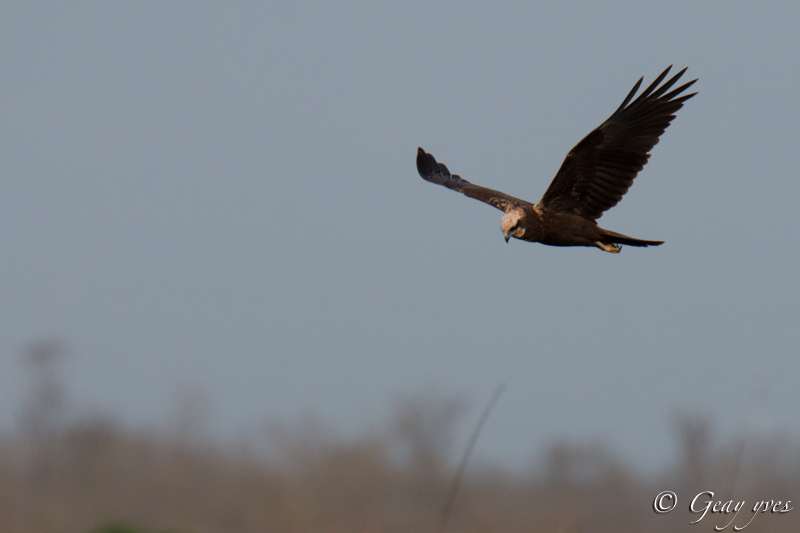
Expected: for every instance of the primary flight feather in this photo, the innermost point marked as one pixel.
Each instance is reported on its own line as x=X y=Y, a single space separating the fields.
x=594 y=176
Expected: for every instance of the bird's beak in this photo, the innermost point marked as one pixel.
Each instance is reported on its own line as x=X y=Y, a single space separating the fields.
x=507 y=235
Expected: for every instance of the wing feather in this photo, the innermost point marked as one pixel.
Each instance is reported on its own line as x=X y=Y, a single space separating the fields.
x=601 y=168
x=435 y=172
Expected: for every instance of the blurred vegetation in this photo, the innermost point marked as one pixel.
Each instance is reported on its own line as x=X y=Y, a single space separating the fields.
x=121 y=527
x=87 y=474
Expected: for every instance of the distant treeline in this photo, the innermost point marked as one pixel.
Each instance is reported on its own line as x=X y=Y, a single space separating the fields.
x=92 y=476
x=61 y=474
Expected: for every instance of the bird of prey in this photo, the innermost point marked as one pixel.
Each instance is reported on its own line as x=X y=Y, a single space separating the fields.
x=595 y=175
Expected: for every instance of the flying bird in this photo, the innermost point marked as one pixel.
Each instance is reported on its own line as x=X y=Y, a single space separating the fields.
x=594 y=176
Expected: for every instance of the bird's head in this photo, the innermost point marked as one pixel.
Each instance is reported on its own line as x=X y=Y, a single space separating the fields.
x=512 y=224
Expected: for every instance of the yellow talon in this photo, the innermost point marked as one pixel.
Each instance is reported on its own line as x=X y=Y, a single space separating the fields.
x=611 y=248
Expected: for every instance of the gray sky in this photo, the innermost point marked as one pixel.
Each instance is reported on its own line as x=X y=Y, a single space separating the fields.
x=223 y=198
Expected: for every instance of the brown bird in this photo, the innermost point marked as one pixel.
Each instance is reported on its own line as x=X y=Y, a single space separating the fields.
x=595 y=175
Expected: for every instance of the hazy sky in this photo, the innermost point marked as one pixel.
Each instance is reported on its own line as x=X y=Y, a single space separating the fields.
x=223 y=198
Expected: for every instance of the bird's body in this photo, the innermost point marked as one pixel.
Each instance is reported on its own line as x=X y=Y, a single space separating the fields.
x=595 y=175
x=564 y=229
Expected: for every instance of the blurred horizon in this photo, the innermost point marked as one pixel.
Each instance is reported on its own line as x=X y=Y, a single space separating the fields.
x=50 y=404
x=86 y=472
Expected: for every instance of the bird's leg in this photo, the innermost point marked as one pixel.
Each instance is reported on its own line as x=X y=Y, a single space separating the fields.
x=611 y=248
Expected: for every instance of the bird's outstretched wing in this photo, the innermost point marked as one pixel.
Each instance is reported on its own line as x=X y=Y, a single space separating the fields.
x=436 y=172
x=601 y=168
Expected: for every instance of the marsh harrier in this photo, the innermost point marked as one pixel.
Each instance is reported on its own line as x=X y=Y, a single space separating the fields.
x=595 y=175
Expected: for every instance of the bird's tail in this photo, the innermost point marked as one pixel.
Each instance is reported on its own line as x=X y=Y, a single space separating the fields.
x=611 y=237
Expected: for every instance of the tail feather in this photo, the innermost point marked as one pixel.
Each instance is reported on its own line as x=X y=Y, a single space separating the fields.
x=611 y=237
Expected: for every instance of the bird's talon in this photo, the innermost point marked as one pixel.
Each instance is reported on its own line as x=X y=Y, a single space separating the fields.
x=610 y=248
